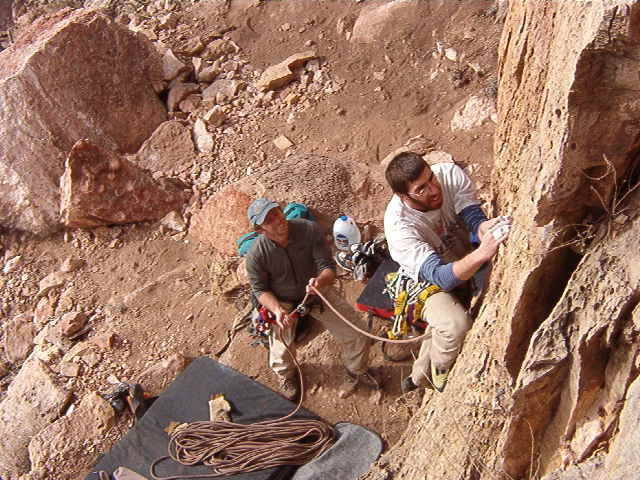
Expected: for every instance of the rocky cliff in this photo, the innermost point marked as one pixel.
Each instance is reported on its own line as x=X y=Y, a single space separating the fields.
x=546 y=384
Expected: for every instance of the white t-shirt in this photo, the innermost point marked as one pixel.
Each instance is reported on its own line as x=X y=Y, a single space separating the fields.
x=413 y=235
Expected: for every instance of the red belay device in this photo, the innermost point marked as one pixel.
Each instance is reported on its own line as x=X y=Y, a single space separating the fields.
x=267 y=317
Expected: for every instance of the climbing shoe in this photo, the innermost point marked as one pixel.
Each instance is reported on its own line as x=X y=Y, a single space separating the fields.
x=439 y=377
x=407 y=385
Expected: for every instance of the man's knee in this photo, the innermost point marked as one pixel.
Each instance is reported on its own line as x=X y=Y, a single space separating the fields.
x=460 y=324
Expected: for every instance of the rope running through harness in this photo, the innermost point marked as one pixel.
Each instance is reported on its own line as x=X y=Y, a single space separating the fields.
x=232 y=448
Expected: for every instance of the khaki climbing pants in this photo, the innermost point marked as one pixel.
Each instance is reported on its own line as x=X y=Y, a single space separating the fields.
x=355 y=347
x=448 y=325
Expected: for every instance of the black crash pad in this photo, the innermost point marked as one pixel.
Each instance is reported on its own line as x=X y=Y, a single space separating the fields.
x=186 y=400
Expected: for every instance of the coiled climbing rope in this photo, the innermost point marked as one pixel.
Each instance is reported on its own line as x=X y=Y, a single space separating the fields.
x=232 y=448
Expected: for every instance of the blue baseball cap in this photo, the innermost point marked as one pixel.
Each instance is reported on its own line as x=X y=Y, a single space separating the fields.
x=258 y=210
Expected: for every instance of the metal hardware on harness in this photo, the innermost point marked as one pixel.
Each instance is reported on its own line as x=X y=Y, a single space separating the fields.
x=265 y=319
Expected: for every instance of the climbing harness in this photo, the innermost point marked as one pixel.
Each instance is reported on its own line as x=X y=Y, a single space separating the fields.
x=408 y=298
x=263 y=318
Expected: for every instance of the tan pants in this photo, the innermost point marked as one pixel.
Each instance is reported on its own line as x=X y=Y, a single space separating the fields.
x=355 y=347
x=448 y=325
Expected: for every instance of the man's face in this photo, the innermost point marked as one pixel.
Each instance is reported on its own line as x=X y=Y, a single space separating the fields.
x=425 y=191
x=275 y=226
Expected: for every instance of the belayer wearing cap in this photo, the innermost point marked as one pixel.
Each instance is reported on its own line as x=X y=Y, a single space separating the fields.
x=289 y=257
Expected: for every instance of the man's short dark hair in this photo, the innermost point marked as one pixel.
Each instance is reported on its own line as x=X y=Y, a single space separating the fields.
x=402 y=169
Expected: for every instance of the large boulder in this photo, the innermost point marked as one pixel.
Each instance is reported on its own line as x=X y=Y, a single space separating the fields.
x=158 y=376
x=381 y=18
x=170 y=148
x=222 y=220
x=100 y=187
x=69 y=436
x=76 y=74
x=328 y=186
x=32 y=402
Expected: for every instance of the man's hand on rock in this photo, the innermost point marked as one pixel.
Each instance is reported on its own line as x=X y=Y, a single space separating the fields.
x=498 y=224
x=495 y=231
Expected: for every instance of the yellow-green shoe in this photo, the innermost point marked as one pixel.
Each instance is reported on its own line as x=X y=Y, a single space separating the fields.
x=439 y=376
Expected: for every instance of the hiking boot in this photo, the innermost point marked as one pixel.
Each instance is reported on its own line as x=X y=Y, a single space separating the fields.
x=439 y=376
x=407 y=385
x=289 y=388
x=367 y=379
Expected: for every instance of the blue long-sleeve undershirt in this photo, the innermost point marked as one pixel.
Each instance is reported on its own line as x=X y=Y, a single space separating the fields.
x=434 y=270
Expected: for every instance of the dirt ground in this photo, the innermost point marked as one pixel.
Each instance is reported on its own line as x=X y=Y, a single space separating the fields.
x=174 y=305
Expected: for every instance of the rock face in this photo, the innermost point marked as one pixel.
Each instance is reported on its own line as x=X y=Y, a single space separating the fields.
x=100 y=187
x=553 y=352
x=68 y=437
x=32 y=402
x=44 y=96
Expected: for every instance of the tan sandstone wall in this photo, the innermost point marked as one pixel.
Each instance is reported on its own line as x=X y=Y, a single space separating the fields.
x=552 y=348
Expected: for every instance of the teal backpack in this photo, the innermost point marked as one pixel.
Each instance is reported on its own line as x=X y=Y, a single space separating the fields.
x=291 y=210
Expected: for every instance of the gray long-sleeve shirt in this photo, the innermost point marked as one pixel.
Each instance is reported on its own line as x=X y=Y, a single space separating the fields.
x=285 y=272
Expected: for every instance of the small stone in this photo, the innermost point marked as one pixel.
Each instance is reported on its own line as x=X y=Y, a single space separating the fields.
x=292 y=98
x=106 y=341
x=174 y=221
x=91 y=358
x=202 y=138
x=51 y=281
x=191 y=103
x=19 y=334
x=285 y=27
x=168 y=21
x=179 y=92
x=69 y=369
x=451 y=54
x=72 y=323
x=12 y=264
x=77 y=350
x=309 y=43
x=48 y=353
x=192 y=47
x=208 y=74
x=279 y=75
x=215 y=116
x=282 y=142
x=71 y=264
x=171 y=66
x=379 y=76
